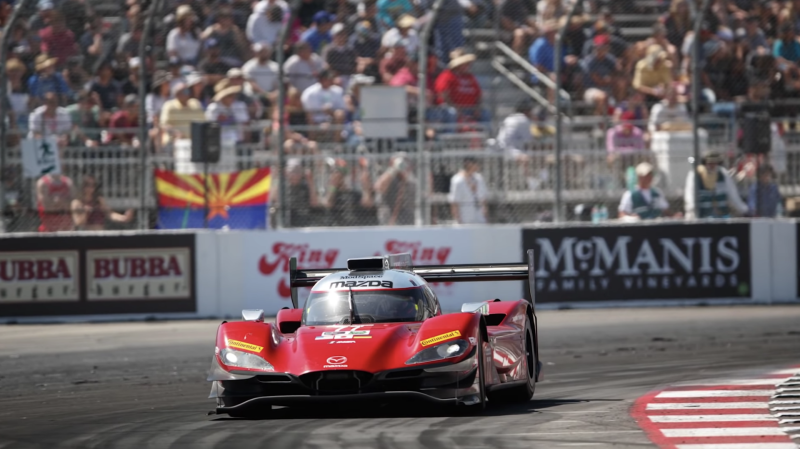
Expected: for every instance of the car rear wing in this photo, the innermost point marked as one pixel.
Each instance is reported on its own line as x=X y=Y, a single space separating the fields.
x=431 y=273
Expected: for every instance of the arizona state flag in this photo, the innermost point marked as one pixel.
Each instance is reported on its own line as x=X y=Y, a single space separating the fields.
x=236 y=200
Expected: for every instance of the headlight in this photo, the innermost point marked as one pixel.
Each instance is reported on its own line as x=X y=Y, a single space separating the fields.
x=440 y=352
x=239 y=359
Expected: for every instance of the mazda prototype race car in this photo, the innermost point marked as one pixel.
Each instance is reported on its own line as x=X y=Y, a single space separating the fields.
x=375 y=331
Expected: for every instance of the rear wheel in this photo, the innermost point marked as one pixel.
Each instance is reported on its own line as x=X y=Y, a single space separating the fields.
x=523 y=392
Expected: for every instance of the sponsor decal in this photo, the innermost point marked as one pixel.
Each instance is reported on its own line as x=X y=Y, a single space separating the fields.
x=341 y=342
x=246 y=346
x=150 y=273
x=342 y=333
x=440 y=338
x=337 y=361
x=356 y=284
x=39 y=276
x=473 y=341
x=641 y=262
x=307 y=258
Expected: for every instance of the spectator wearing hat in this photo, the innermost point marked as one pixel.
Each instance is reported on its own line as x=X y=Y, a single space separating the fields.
x=645 y=202
x=178 y=114
x=230 y=113
x=50 y=120
x=669 y=114
x=44 y=14
x=340 y=56
x=107 y=88
x=390 y=10
x=213 y=65
x=716 y=192
x=404 y=32
x=57 y=40
x=249 y=93
x=600 y=68
x=157 y=97
x=228 y=37
x=367 y=15
x=459 y=91
x=18 y=94
x=263 y=71
x=517 y=24
x=625 y=138
x=319 y=35
x=265 y=23
x=468 y=194
x=46 y=80
x=324 y=103
x=367 y=45
x=653 y=74
x=303 y=67
x=183 y=41
x=393 y=61
x=196 y=83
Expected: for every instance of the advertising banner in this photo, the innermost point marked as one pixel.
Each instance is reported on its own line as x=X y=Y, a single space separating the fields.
x=88 y=275
x=266 y=265
x=655 y=262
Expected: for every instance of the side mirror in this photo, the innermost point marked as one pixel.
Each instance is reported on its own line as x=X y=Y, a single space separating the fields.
x=288 y=320
x=256 y=315
x=475 y=307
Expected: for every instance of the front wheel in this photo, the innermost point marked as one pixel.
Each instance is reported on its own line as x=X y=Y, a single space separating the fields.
x=523 y=392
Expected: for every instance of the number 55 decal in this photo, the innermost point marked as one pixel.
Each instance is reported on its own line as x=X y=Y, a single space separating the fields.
x=345 y=332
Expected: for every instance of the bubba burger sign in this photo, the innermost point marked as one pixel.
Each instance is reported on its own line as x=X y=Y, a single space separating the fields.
x=665 y=261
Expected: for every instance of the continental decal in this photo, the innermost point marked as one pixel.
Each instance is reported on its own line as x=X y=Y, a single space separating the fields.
x=242 y=345
x=439 y=338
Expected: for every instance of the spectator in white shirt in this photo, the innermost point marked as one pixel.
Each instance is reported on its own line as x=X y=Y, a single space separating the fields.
x=669 y=113
x=403 y=32
x=468 y=194
x=266 y=21
x=515 y=132
x=50 y=120
x=183 y=41
x=261 y=70
x=324 y=101
x=230 y=113
x=303 y=67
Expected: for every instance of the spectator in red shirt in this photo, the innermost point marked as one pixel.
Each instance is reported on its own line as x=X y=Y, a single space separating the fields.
x=391 y=64
x=57 y=40
x=125 y=119
x=459 y=91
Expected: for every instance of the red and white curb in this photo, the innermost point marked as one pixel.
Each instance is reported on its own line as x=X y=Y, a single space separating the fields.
x=758 y=413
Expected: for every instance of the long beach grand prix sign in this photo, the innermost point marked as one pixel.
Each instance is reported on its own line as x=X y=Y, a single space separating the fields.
x=669 y=261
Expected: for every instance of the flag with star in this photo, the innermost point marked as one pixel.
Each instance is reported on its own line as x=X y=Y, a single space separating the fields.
x=237 y=200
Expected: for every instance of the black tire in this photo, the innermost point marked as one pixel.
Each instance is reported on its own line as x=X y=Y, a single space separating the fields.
x=524 y=392
x=254 y=412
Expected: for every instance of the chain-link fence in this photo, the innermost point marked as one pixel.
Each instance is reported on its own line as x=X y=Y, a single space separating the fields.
x=113 y=88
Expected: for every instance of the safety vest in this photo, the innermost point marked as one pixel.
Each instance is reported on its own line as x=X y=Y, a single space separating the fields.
x=712 y=203
x=642 y=208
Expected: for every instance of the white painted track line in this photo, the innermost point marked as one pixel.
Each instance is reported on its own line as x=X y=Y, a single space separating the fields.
x=711 y=418
x=704 y=405
x=713 y=393
x=716 y=383
x=795 y=370
x=724 y=432
x=739 y=446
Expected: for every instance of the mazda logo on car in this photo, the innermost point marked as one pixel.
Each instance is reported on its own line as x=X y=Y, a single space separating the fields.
x=337 y=360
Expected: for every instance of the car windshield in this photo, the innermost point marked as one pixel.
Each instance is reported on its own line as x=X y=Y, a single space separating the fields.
x=372 y=306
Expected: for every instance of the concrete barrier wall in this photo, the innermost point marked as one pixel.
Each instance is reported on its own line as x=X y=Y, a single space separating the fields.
x=237 y=270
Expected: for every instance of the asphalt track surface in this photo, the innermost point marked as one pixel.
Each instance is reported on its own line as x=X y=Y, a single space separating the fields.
x=142 y=385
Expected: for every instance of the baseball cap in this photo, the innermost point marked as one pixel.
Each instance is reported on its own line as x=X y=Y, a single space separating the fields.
x=323 y=17
x=337 y=28
x=644 y=169
x=258 y=46
x=212 y=43
x=601 y=39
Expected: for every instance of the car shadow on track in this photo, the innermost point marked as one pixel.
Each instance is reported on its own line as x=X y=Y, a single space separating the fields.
x=412 y=409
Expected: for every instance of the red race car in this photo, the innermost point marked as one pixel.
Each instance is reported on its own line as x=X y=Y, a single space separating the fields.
x=375 y=331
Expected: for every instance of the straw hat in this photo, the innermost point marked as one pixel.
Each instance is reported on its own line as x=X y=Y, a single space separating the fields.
x=15 y=64
x=655 y=51
x=406 y=21
x=183 y=11
x=461 y=60
x=221 y=84
x=233 y=90
x=44 y=61
x=644 y=169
